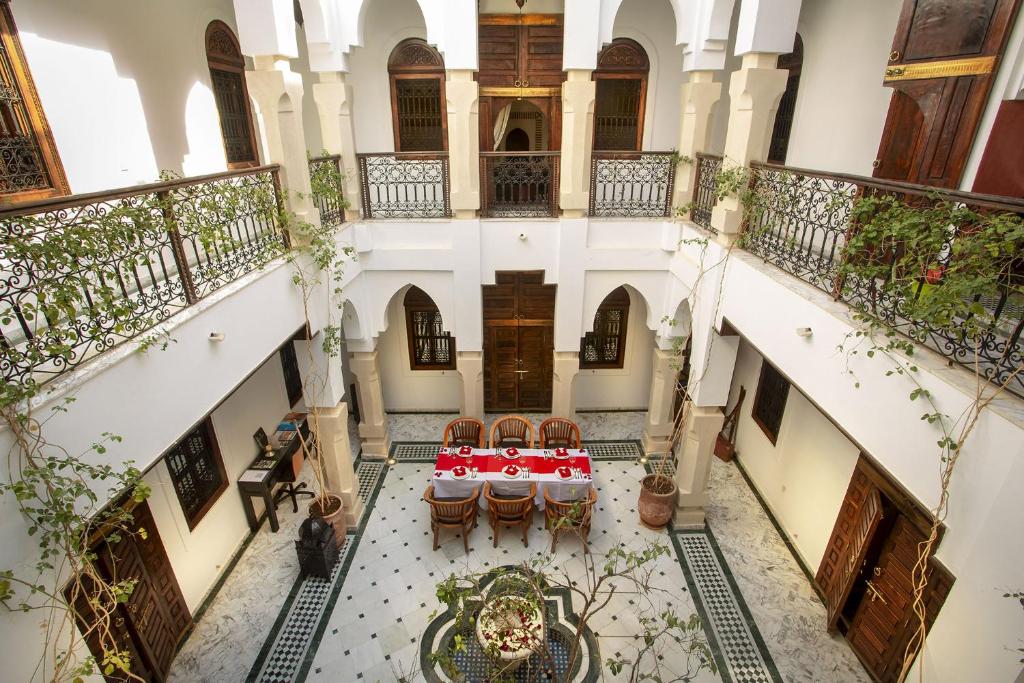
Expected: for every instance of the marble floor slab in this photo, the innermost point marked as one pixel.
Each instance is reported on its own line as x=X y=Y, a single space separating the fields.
x=601 y=426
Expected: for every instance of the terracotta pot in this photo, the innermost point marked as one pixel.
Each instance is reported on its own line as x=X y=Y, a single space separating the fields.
x=656 y=508
x=335 y=516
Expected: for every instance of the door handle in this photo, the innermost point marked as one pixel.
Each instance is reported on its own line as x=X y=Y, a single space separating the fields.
x=875 y=593
x=522 y=371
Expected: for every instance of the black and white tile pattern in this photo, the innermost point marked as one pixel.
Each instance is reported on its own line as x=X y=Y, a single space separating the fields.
x=745 y=660
x=368 y=474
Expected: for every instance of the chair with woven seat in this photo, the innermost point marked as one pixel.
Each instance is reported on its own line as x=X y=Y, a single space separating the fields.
x=511 y=430
x=558 y=432
x=457 y=513
x=510 y=511
x=465 y=431
x=572 y=516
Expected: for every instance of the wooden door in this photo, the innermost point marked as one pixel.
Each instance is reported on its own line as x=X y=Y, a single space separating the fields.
x=944 y=56
x=854 y=529
x=519 y=311
x=153 y=620
x=884 y=620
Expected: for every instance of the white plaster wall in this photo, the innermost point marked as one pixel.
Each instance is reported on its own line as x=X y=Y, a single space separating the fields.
x=803 y=477
x=198 y=556
x=388 y=22
x=652 y=24
x=841 y=104
x=310 y=115
x=413 y=390
x=976 y=630
x=630 y=385
x=126 y=88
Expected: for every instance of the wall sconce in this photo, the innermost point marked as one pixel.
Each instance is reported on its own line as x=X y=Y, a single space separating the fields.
x=216 y=336
x=804 y=332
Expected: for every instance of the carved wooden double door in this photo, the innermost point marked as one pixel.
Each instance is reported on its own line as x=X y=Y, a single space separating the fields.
x=867 y=572
x=151 y=623
x=519 y=318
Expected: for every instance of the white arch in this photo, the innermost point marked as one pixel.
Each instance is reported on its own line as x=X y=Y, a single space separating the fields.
x=443 y=305
x=635 y=295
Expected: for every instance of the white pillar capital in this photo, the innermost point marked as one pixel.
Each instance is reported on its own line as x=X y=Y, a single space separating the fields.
x=754 y=94
x=463 y=96
x=565 y=366
x=277 y=91
x=333 y=97
x=578 y=94
x=697 y=102
x=373 y=429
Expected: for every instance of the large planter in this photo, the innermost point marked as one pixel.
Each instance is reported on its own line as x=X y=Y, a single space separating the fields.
x=332 y=512
x=657 y=501
x=510 y=629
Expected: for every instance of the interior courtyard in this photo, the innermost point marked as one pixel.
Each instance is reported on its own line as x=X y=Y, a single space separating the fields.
x=512 y=340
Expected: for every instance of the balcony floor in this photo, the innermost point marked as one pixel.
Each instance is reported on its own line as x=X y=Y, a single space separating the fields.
x=760 y=614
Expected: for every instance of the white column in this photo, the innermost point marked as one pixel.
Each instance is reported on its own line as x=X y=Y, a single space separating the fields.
x=336 y=452
x=693 y=463
x=333 y=98
x=697 y=103
x=754 y=94
x=566 y=365
x=471 y=366
x=277 y=91
x=658 y=427
x=578 y=93
x=373 y=430
x=463 y=94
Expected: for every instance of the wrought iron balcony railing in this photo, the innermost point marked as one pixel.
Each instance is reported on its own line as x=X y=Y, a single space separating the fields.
x=325 y=174
x=631 y=184
x=518 y=184
x=705 y=188
x=405 y=185
x=803 y=220
x=127 y=260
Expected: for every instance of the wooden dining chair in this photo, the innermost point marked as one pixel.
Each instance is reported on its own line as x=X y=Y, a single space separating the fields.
x=559 y=432
x=465 y=431
x=510 y=511
x=572 y=516
x=511 y=430
x=452 y=513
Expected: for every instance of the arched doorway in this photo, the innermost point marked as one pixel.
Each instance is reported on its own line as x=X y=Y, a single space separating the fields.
x=521 y=127
x=621 y=95
x=418 y=111
x=227 y=78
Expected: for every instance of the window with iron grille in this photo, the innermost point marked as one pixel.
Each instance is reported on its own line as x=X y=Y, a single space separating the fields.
x=227 y=76
x=292 y=376
x=29 y=165
x=620 y=94
x=430 y=347
x=197 y=472
x=605 y=347
x=418 y=114
x=770 y=401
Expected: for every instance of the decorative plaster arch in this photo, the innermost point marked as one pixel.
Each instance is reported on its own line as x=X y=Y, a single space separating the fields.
x=351 y=325
x=635 y=295
x=424 y=7
x=447 y=314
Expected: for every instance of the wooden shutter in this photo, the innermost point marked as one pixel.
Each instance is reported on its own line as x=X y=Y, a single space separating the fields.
x=418 y=110
x=792 y=62
x=858 y=517
x=227 y=76
x=944 y=57
x=621 y=93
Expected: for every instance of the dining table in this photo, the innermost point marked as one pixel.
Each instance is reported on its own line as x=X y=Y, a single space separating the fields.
x=565 y=473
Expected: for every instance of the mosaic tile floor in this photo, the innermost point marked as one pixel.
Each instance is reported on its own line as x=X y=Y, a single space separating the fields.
x=384 y=589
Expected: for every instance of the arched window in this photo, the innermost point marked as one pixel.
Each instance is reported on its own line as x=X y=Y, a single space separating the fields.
x=787 y=105
x=605 y=347
x=418 y=112
x=227 y=76
x=621 y=83
x=430 y=347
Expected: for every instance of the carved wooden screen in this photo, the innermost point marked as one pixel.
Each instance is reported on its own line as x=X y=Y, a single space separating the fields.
x=770 y=401
x=793 y=62
x=29 y=165
x=621 y=85
x=197 y=471
x=430 y=346
x=418 y=108
x=605 y=347
x=227 y=76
